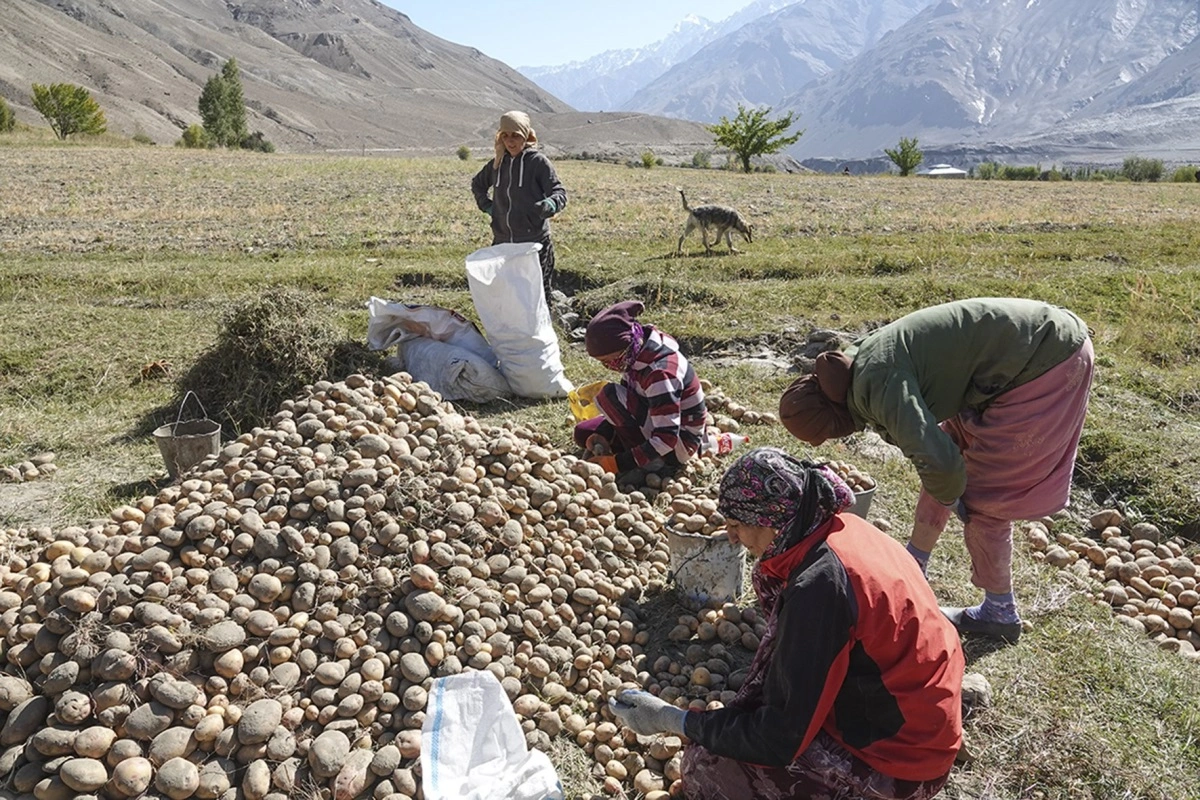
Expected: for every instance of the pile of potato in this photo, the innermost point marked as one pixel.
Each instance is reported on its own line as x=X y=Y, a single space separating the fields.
x=1149 y=582
x=858 y=480
x=271 y=626
x=39 y=466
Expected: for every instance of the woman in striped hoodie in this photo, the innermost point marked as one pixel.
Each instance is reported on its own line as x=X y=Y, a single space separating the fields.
x=656 y=415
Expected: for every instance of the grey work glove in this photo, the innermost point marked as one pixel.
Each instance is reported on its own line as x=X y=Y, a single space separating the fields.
x=645 y=714
x=960 y=510
x=547 y=207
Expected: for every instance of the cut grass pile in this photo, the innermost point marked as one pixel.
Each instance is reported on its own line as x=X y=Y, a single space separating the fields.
x=114 y=258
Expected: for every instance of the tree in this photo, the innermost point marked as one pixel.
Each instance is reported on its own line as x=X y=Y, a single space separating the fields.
x=69 y=109
x=1140 y=169
x=223 y=108
x=751 y=134
x=8 y=120
x=235 y=103
x=906 y=156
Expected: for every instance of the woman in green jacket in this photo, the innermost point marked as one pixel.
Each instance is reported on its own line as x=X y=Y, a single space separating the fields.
x=987 y=398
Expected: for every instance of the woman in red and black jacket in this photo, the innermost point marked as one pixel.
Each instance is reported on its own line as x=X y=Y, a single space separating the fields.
x=856 y=687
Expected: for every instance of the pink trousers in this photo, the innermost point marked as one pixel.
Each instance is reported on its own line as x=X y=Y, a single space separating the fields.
x=1020 y=455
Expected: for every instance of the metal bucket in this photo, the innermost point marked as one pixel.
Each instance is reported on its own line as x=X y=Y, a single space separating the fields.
x=184 y=444
x=862 y=502
x=707 y=570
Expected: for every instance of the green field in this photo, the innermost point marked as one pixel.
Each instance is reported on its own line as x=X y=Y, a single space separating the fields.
x=114 y=258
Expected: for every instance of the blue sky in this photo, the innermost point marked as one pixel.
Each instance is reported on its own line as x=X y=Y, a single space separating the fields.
x=556 y=31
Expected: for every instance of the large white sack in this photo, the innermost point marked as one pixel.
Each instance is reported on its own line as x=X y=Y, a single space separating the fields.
x=453 y=372
x=506 y=286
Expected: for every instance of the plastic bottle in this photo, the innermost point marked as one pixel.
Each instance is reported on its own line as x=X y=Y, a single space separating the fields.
x=721 y=443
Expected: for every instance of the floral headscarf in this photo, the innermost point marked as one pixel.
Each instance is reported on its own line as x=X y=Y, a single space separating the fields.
x=769 y=487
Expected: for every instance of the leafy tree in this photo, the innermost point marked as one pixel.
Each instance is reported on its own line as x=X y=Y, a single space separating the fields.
x=8 y=120
x=1140 y=169
x=69 y=109
x=751 y=133
x=235 y=103
x=223 y=108
x=906 y=156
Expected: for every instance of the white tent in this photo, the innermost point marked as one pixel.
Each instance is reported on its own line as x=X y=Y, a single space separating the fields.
x=943 y=171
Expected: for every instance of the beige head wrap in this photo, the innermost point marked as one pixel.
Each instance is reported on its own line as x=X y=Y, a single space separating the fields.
x=513 y=122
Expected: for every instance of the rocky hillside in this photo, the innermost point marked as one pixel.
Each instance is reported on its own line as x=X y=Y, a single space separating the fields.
x=316 y=75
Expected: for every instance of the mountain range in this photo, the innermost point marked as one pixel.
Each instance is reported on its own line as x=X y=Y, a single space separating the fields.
x=1030 y=80
x=1085 y=80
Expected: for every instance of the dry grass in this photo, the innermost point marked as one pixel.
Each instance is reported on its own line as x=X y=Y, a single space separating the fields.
x=113 y=258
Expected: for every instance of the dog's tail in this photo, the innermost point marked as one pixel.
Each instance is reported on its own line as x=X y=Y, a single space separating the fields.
x=683 y=197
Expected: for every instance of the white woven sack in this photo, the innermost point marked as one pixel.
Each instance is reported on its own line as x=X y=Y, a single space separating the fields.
x=506 y=287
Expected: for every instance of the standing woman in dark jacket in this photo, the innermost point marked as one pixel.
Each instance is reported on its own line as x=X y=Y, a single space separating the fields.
x=520 y=190
x=856 y=687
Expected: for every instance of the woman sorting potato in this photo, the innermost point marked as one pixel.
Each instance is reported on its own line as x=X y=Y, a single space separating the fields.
x=987 y=398
x=656 y=415
x=855 y=689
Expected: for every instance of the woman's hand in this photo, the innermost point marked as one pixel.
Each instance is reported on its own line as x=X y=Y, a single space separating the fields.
x=645 y=714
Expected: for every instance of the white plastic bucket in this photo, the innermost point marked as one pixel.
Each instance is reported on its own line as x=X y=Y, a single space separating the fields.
x=707 y=570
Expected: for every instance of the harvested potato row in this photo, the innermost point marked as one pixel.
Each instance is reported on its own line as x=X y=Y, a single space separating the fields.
x=734 y=414
x=1152 y=584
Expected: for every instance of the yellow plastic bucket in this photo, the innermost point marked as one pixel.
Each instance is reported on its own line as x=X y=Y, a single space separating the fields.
x=583 y=400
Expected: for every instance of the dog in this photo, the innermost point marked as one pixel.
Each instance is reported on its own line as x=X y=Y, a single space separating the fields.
x=723 y=220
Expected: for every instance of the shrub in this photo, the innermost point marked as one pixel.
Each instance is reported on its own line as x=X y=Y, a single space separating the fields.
x=1008 y=173
x=1185 y=174
x=268 y=347
x=1140 y=169
x=648 y=159
x=142 y=138
x=194 y=137
x=702 y=159
x=69 y=109
x=257 y=141
x=8 y=120
x=464 y=153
